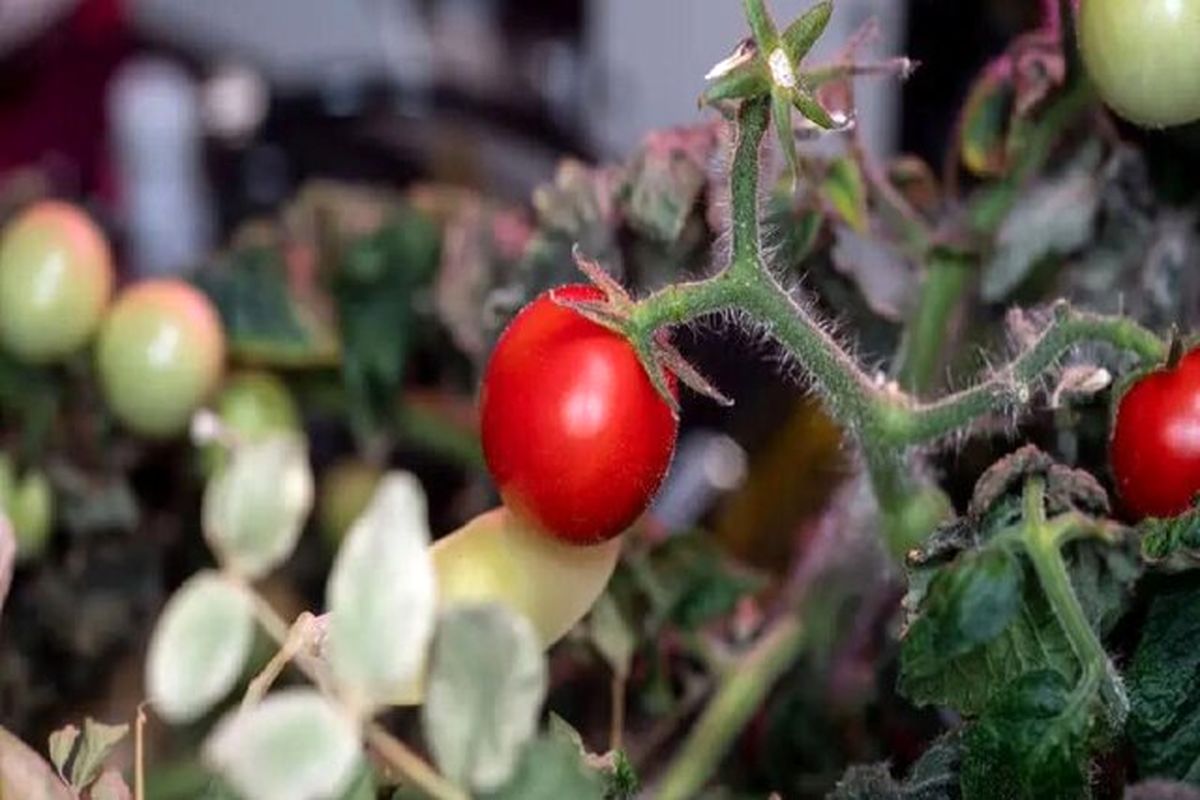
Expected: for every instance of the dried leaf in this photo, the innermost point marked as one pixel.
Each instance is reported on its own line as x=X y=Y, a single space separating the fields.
x=98 y=741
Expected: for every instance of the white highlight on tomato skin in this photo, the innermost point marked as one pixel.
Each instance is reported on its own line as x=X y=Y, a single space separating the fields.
x=48 y=281
x=586 y=411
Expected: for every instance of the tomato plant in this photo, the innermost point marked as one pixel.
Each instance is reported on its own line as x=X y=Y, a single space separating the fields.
x=1143 y=57
x=575 y=435
x=959 y=583
x=56 y=276
x=1155 y=449
x=160 y=354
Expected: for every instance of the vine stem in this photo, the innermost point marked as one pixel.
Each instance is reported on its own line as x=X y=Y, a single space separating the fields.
x=1043 y=542
x=886 y=421
x=396 y=753
x=741 y=693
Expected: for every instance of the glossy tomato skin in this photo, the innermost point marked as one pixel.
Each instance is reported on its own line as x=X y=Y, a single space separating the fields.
x=575 y=435
x=1144 y=57
x=56 y=278
x=1155 y=448
x=160 y=354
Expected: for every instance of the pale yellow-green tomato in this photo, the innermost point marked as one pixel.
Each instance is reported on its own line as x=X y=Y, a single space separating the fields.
x=1144 y=57
x=28 y=505
x=346 y=490
x=497 y=558
x=56 y=278
x=160 y=355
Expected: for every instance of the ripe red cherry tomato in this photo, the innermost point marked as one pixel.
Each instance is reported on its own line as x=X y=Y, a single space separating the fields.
x=1155 y=449
x=574 y=433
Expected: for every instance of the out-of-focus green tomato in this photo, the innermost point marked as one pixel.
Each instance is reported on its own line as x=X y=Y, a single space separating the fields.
x=159 y=356
x=499 y=558
x=346 y=490
x=56 y=278
x=252 y=405
x=1144 y=57
x=28 y=504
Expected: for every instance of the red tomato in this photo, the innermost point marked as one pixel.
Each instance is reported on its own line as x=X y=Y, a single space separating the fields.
x=1155 y=449
x=574 y=433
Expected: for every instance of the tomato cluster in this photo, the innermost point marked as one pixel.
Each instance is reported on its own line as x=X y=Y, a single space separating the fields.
x=574 y=432
x=160 y=347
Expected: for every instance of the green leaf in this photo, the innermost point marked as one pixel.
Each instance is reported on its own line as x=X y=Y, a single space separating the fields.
x=486 y=683
x=62 y=745
x=611 y=634
x=26 y=775
x=686 y=581
x=1054 y=218
x=781 y=114
x=266 y=321
x=813 y=111
x=256 y=505
x=935 y=776
x=665 y=181
x=375 y=289
x=1173 y=543
x=381 y=594
x=551 y=769
x=968 y=604
x=1032 y=742
x=98 y=741
x=846 y=191
x=984 y=126
x=294 y=745
x=762 y=27
x=954 y=652
x=1164 y=685
x=801 y=35
x=199 y=647
x=745 y=80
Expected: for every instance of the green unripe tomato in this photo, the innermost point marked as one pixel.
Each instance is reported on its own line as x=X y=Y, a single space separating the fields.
x=1144 y=57
x=346 y=490
x=252 y=405
x=56 y=278
x=28 y=505
x=32 y=515
x=159 y=356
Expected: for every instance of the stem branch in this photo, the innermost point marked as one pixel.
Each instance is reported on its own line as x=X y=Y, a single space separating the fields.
x=740 y=694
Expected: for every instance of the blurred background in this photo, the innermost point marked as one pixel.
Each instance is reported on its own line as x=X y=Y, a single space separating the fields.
x=177 y=120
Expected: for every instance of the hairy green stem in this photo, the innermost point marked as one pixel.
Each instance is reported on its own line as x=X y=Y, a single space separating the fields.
x=1013 y=384
x=1043 y=543
x=753 y=118
x=741 y=693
